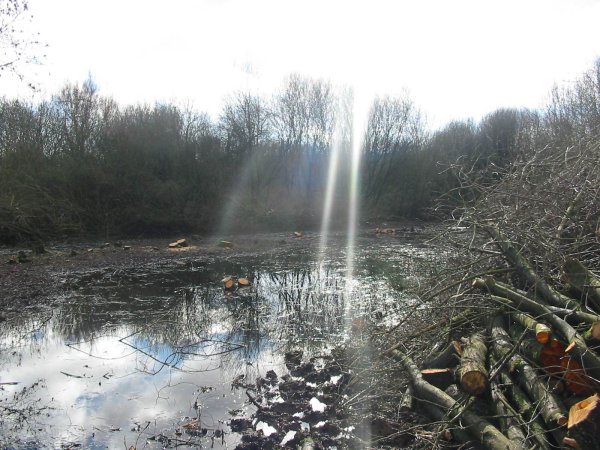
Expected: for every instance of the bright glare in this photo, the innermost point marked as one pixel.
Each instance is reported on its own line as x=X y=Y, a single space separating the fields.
x=458 y=59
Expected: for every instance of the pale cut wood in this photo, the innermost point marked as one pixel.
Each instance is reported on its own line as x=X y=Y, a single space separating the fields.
x=472 y=373
x=584 y=423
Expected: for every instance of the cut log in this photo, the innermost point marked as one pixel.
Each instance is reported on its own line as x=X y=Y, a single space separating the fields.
x=243 y=282
x=542 y=333
x=591 y=361
x=449 y=357
x=479 y=428
x=297 y=234
x=555 y=360
x=550 y=408
x=178 y=243
x=541 y=330
x=584 y=281
x=472 y=373
x=227 y=282
x=584 y=423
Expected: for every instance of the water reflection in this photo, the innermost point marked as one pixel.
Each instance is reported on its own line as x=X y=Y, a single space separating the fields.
x=127 y=357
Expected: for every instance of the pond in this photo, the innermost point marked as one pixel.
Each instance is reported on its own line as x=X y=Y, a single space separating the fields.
x=126 y=358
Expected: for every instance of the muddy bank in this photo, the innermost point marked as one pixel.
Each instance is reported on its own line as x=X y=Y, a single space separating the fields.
x=36 y=278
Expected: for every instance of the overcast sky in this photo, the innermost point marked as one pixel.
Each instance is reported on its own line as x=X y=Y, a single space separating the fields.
x=457 y=58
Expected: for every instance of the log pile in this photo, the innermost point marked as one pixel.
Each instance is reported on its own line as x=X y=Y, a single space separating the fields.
x=538 y=354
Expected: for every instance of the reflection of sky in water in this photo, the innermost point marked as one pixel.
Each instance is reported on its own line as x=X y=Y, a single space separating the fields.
x=143 y=351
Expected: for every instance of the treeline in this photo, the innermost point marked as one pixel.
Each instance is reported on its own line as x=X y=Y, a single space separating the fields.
x=81 y=164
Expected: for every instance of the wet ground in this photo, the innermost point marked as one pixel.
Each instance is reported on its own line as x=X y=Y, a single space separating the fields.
x=138 y=345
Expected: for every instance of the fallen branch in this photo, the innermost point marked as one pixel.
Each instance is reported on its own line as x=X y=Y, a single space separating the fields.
x=479 y=428
x=584 y=281
x=590 y=361
x=524 y=268
x=551 y=409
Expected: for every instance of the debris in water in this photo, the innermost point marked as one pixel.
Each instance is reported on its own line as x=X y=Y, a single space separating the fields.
x=178 y=243
x=227 y=282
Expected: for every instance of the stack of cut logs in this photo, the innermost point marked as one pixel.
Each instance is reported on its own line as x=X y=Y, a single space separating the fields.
x=532 y=378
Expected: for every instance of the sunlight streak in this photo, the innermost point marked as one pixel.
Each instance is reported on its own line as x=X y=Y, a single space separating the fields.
x=332 y=175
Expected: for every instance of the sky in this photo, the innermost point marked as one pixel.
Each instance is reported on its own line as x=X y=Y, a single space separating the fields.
x=456 y=59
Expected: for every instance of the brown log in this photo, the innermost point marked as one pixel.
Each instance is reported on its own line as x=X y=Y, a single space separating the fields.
x=472 y=373
x=542 y=333
x=555 y=360
x=541 y=330
x=178 y=243
x=479 y=428
x=227 y=282
x=590 y=360
x=584 y=281
x=449 y=357
x=551 y=409
x=584 y=423
x=243 y=282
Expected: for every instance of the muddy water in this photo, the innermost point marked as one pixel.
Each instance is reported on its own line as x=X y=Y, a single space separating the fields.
x=127 y=358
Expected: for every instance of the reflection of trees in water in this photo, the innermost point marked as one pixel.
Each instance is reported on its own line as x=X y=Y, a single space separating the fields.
x=306 y=304
x=26 y=331
x=18 y=415
x=301 y=305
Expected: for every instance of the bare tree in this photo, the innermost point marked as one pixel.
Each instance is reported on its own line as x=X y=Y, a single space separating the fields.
x=394 y=128
x=244 y=123
x=16 y=48
x=574 y=111
x=78 y=115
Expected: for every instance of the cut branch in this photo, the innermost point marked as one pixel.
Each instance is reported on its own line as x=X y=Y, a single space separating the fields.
x=478 y=427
